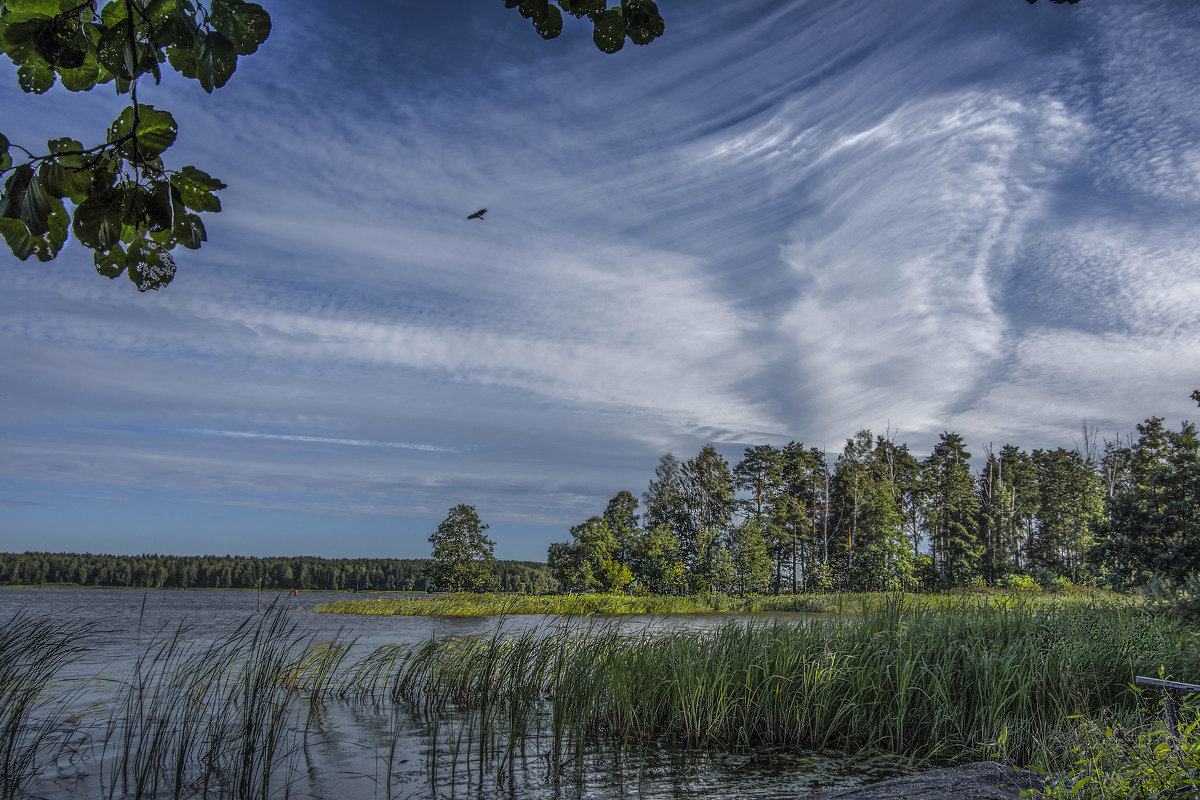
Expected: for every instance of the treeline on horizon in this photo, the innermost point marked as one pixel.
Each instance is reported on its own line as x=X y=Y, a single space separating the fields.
x=795 y=519
x=243 y=572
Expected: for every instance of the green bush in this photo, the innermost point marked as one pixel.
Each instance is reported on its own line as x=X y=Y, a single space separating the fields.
x=1020 y=583
x=1114 y=764
x=1061 y=584
x=1179 y=600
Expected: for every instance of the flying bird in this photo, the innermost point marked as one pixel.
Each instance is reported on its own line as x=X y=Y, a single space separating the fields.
x=478 y=214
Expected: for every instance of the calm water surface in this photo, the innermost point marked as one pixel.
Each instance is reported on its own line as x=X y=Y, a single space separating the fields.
x=364 y=751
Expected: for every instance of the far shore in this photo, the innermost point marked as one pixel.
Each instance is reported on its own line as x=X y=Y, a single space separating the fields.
x=466 y=604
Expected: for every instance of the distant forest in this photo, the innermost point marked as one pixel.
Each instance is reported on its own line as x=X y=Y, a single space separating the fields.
x=243 y=572
x=1116 y=513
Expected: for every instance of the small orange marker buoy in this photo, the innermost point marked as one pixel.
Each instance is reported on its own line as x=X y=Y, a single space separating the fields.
x=296 y=592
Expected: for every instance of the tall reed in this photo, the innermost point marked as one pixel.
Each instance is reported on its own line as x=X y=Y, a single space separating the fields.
x=36 y=724
x=928 y=685
x=222 y=718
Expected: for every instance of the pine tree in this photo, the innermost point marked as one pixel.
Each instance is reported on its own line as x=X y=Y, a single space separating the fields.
x=951 y=513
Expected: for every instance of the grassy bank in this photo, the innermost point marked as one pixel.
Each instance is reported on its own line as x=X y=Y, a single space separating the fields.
x=484 y=605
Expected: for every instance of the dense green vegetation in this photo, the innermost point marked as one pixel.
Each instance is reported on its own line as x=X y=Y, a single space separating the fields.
x=1150 y=761
x=793 y=519
x=243 y=572
x=928 y=683
x=469 y=604
x=925 y=684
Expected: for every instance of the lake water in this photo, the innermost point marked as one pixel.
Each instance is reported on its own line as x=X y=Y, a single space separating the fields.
x=374 y=750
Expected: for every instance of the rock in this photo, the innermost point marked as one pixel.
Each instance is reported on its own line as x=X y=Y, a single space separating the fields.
x=984 y=780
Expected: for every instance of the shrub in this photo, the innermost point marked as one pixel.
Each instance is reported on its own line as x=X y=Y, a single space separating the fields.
x=1114 y=764
x=1061 y=584
x=1167 y=598
x=1020 y=583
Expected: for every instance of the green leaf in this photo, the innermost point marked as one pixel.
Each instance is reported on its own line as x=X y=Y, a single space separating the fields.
x=581 y=8
x=60 y=225
x=150 y=266
x=53 y=179
x=215 y=61
x=551 y=24
x=14 y=191
x=115 y=53
x=126 y=60
x=184 y=60
x=61 y=43
x=196 y=189
x=643 y=23
x=26 y=200
x=46 y=246
x=112 y=13
x=16 y=38
x=158 y=11
x=64 y=145
x=158 y=206
x=533 y=9
x=82 y=78
x=189 y=231
x=35 y=76
x=16 y=235
x=68 y=174
x=110 y=264
x=156 y=131
x=179 y=30
x=99 y=219
x=5 y=158
x=32 y=10
x=244 y=25
x=609 y=33
x=106 y=168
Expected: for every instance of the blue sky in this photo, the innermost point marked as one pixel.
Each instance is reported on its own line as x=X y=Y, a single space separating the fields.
x=783 y=220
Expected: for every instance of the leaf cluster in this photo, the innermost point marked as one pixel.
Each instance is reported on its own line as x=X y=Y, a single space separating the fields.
x=636 y=20
x=129 y=208
x=1112 y=762
x=83 y=44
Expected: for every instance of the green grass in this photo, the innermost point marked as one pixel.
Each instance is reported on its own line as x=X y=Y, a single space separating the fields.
x=927 y=685
x=482 y=605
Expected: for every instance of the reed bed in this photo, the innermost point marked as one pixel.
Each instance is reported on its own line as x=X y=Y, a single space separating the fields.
x=466 y=604
x=927 y=685
x=36 y=725
x=929 y=681
x=219 y=719
x=226 y=718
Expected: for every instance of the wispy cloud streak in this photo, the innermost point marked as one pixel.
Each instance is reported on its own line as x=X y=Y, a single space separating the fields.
x=282 y=437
